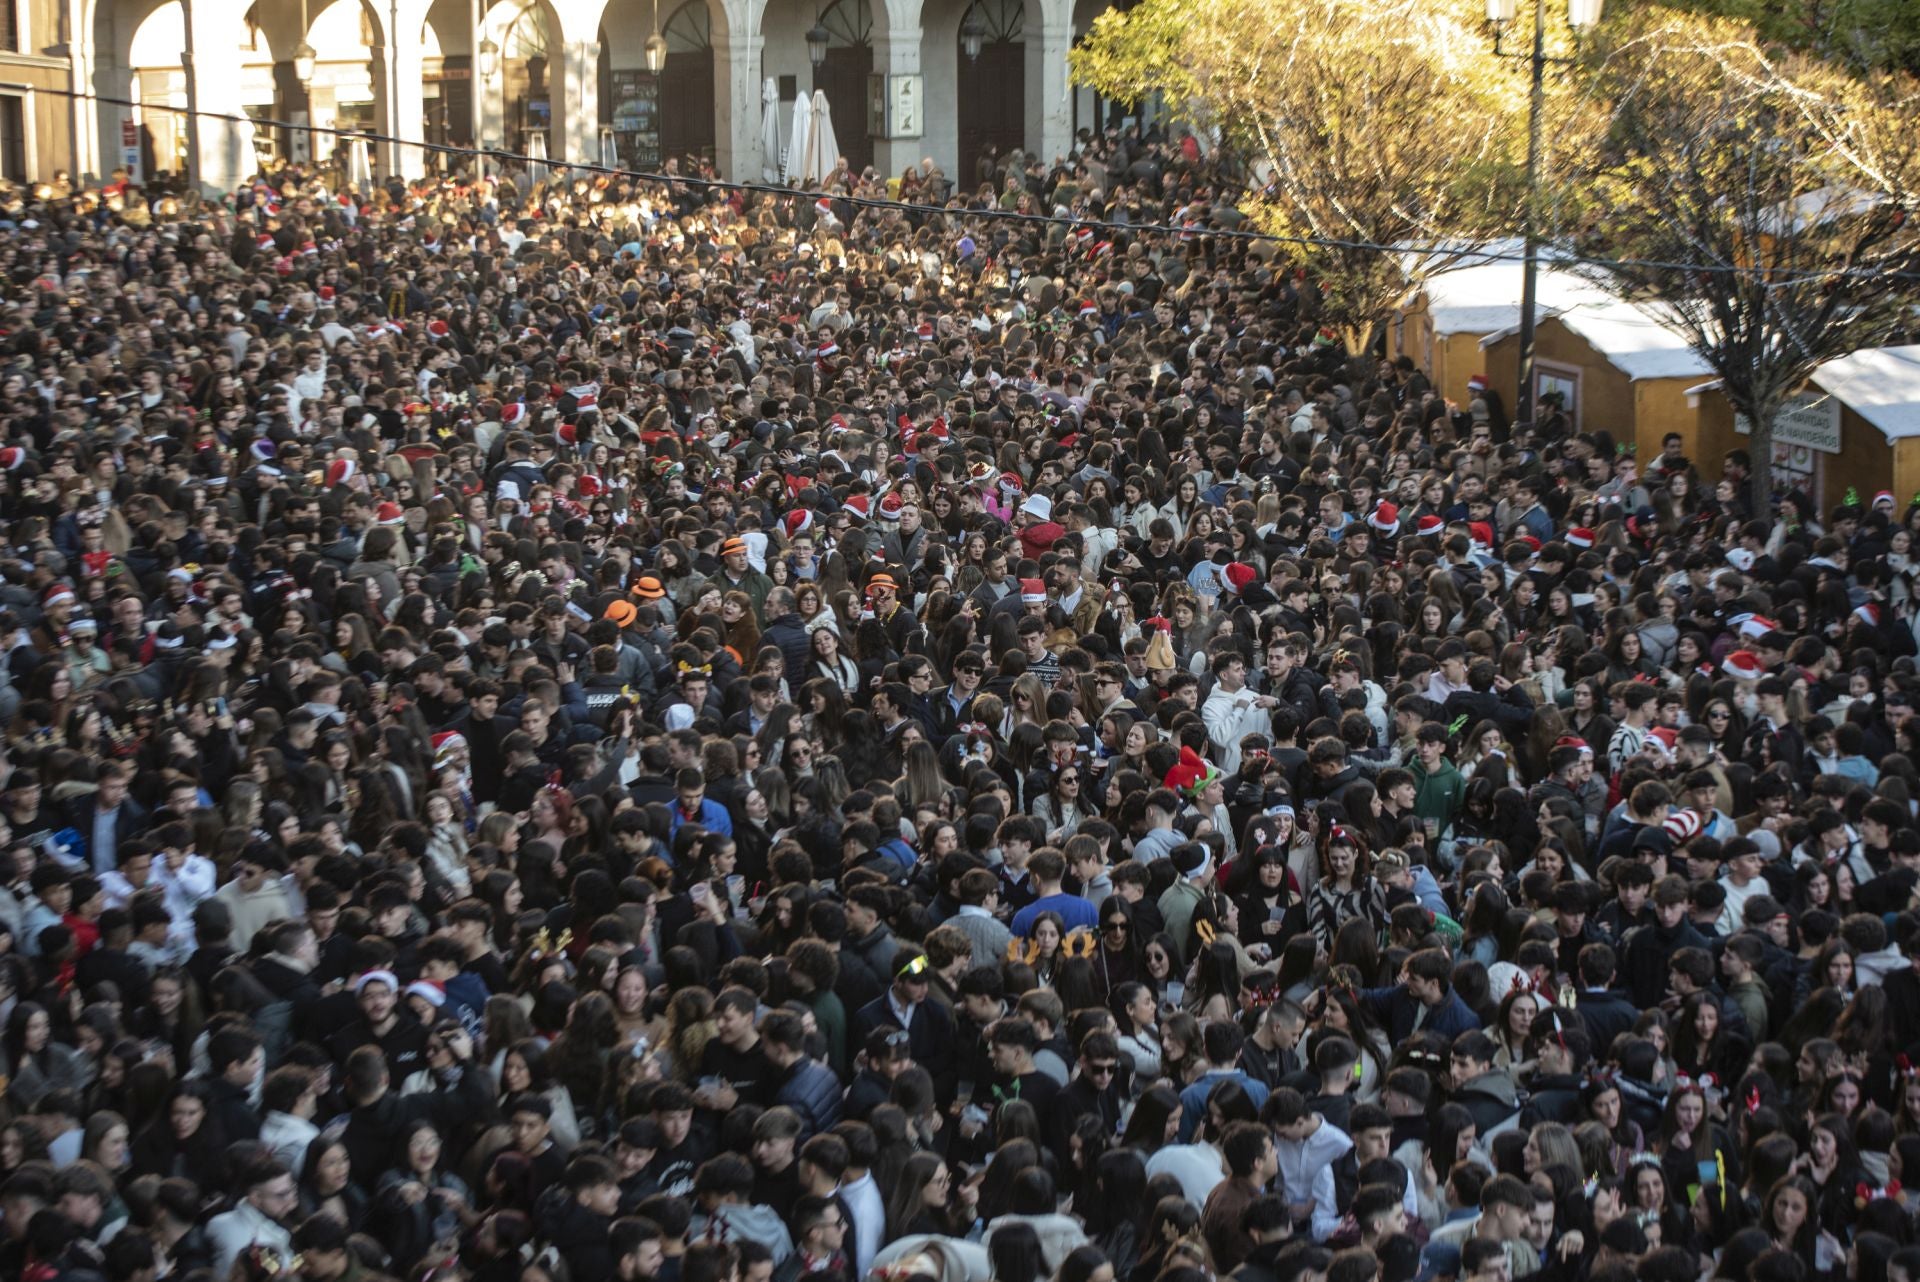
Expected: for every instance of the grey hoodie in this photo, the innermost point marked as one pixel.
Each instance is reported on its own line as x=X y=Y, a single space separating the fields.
x=735 y=1221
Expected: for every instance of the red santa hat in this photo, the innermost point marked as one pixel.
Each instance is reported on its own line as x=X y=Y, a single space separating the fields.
x=859 y=506
x=445 y=744
x=1754 y=625
x=1033 y=592
x=1238 y=575
x=13 y=458
x=433 y=993
x=439 y=329
x=1868 y=614
x=1088 y=307
x=1743 y=665
x=389 y=514
x=340 y=471
x=1429 y=525
x=57 y=594
x=890 y=507
x=1191 y=774
x=514 y=413
x=1884 y=496
x=1385 y=518
x=1481 y=533
x=590 y=487
x=798 y=521
x=1477 y=383
x=1581 y=537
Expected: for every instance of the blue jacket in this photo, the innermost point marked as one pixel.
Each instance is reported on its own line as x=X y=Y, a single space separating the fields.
x=813 y=1091
x=1395 y=1008
x=713 y=816
x=1193 y=1100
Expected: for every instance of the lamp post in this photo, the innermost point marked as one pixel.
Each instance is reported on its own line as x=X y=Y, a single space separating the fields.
x=303 y=60
x=1581 y=17
x=973 y=34
x=818 y=38
x=656 y=51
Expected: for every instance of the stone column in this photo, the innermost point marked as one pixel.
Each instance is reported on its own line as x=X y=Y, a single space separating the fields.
x=1050 y=119
x=220 y=137
x=736 y=68
x=576 y=102
x=898 y=54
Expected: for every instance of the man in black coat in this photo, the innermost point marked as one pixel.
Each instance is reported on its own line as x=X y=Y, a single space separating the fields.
x=379 y=1116
x=785 y=630
x=929 y=1025
x=1606 y=1013
x=1650 y=948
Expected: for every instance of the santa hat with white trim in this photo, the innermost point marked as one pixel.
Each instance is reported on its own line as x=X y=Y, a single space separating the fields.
x=798 y=521
x=1743 y=665
x=1581 y=537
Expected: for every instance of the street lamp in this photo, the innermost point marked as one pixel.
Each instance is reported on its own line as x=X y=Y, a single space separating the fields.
x=489 y=58
x=1582 y=15
x=303 y=60
x=818 y=38
x=973 y=33
x=656 y=44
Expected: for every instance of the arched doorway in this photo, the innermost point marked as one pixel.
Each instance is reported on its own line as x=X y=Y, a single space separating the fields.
x=843 y=75
x=527 y=73
x=157 y=81
x=992 y=114
x=669 y=116
x=686 y=84
x=345 y=87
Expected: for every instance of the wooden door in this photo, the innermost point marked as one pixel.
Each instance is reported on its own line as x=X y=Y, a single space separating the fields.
x=844 y=78
x=993 y=106
x=686 y=105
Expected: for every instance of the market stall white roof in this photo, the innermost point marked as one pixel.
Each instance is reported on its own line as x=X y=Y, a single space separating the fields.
x=1634 y=339
x=1482 y=296
x=1880 y=384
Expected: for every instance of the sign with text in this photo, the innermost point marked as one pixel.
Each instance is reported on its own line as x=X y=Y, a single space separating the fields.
x=1810 y=419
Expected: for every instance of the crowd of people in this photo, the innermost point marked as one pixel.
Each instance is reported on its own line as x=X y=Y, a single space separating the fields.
x=568 y=729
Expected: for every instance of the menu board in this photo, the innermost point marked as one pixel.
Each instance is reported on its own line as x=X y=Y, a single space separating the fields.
x=636 y=118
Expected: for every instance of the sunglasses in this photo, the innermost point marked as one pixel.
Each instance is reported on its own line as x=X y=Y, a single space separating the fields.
x=1118 y=925
x=915 y=969
x=1103 y=1070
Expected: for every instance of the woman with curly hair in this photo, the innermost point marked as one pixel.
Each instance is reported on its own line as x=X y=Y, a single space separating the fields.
x=1347 y=890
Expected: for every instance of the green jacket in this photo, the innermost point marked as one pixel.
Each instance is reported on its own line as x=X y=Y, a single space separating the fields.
x=1437 y=796
x=1177 y=906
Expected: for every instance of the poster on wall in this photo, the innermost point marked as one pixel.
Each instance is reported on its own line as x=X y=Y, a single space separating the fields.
x=636 y=118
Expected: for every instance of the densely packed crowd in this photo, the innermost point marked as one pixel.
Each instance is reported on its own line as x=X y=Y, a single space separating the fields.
x=562 y=731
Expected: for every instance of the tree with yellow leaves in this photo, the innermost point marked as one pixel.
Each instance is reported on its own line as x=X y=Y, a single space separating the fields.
x=1366 y=123
x=1761 y=200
